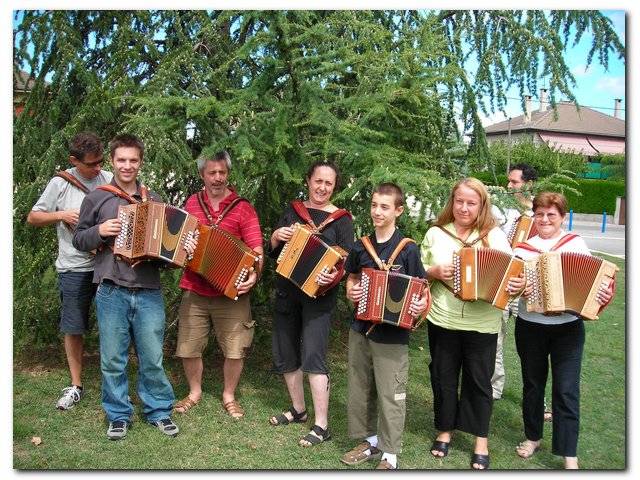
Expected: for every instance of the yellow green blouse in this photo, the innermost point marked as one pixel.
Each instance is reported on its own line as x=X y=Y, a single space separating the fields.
x=447 y=310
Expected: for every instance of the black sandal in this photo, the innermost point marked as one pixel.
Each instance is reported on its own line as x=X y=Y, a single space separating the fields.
x=281 y=419
x=321 y=435
x=439 y=446
x=480 y=459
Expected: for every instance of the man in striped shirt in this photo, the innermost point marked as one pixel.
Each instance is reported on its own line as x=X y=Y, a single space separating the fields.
x=203 y=305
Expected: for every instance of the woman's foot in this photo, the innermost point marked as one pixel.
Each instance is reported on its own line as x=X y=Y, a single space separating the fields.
x=527 y=448
x=571 y=463
x=440 y=447
x=480 y=457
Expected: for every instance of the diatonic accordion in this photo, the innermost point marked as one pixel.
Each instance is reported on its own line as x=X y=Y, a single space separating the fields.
x=222 y=259
x=304 y=256
x=153 y=230
x=483 y=274
x=387 y=296
x=567 y=282
x=521 y=230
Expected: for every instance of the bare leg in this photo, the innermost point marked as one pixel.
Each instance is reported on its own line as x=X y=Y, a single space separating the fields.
x=481 y=447
x=193 y=372
x=74 y=348
x=231 y=371
x=296 y=391
x=320 y=394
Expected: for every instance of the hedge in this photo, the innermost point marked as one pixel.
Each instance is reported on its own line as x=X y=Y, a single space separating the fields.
x=597 y=195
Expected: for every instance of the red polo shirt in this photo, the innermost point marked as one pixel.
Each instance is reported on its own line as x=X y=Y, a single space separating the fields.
x=241 y=221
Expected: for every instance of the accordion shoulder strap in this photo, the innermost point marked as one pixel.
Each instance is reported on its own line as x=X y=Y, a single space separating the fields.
x=389 y=264
x=482 y=238
x=302 y=211
x=207 y=209
x=563 y=241
x=72 y=180
x=122 y=194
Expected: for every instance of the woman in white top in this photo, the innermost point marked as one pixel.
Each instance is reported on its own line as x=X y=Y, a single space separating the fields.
x=558 y=339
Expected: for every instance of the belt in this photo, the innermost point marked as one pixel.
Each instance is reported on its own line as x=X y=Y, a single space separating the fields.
x=131 y=289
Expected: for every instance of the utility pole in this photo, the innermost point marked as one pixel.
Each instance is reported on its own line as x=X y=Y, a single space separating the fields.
x=509 y=147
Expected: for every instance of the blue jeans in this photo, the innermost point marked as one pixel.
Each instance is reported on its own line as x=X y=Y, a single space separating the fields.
x=125 y=314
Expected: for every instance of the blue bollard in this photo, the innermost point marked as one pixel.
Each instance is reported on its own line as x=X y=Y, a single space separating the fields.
x=570 y=219
x=604 y=221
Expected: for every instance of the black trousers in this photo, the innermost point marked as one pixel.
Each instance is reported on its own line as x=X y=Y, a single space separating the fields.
x=468 y=356
x=300 y=333
x=563 y=345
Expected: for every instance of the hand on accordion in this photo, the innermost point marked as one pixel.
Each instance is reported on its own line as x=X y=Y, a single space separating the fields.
x=517 y=285
x=325 y=278
x=251 y=280
x=355 y=293
x=605 y=293
x=442 y=272
x=190 y=243
x=110 y=228
x=417 y=307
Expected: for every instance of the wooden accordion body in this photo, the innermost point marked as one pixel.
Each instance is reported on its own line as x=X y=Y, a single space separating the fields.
x=153 y=230
x=522 y=230
x=567 y=282
x=483 y=274
x=387 y=296
x=222 y=259
x=304 y=256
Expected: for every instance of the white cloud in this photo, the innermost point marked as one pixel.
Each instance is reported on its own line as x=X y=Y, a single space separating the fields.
x=614 y=86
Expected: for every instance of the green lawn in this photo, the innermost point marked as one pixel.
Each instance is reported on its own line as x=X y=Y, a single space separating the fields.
x=210 y=439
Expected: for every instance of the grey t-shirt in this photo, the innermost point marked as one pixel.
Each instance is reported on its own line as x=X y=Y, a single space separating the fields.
x=61 y=195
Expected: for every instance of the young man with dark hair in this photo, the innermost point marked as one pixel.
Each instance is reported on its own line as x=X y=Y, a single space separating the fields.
x=521 y=178
x=60 y=204
x=129 y=300
x=379 y=357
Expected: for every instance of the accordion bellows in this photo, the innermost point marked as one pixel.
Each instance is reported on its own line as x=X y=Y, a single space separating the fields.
x=387 y=297
x=153 y=230
x=521 y=230
x=483 y=274
x=222 y=259
x=304 y=256
x=567 y=282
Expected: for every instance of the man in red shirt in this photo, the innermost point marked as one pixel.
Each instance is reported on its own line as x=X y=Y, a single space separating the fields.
x=203 y=305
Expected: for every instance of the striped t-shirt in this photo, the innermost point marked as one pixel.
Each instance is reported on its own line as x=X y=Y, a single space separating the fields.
x=241 y=221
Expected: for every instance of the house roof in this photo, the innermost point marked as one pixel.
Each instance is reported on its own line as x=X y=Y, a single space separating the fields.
x=22 y=82
x=570 y=120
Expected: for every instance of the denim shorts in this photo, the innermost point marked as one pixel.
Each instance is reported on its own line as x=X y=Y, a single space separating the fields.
x=76 y=293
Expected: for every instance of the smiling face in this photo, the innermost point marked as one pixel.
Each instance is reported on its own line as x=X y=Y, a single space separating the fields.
x=384 y=211
x=466 y=206
x=321 y=185
x=90 y=166
x=548 y=221
x=215 y=175
x=126 y=163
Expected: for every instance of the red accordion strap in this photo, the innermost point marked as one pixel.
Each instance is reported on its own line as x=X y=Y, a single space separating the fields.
x=466 y=244
x=299 y=207
x=122 y=194
x=206 y=208
x=72 y=180
x=563 y=241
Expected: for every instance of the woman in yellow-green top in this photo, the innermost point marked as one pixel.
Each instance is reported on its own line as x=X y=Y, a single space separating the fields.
x=462 y=335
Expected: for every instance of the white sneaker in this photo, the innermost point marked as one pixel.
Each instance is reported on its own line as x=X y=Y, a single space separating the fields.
x=70 y=396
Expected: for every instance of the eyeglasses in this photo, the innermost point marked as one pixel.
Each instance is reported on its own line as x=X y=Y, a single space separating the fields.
x=550 y=216
x=93 y=164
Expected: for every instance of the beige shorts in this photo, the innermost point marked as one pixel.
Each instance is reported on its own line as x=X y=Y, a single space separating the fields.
x=232 y=325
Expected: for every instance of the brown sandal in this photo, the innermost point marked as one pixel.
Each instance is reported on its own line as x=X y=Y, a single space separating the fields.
x=186 y=404
x=233 y=408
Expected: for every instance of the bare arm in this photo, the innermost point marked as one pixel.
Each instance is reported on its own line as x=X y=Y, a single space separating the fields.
x=42 y=219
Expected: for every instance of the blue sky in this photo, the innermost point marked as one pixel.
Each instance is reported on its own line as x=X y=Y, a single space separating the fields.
x=595 y=87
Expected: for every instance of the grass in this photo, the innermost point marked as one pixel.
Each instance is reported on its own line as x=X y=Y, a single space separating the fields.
x=210 y=439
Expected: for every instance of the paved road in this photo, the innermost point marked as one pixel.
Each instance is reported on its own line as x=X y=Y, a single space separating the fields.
x=611 y=242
